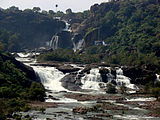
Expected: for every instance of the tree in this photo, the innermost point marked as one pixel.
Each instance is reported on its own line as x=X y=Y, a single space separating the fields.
x=28 y=11
x=44 y=12
x=51 y=12
x=69 y=11
x=111 y=89
x=2 y=47
x=36 y=9
x=13 y=8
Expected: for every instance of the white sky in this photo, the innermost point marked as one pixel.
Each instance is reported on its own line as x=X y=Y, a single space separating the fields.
x=75 y=5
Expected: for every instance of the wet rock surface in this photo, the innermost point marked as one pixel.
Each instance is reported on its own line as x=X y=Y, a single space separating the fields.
x=69 y=82
x=141 y=75
x=67 y=69
x=88 y=97
x=37 y=104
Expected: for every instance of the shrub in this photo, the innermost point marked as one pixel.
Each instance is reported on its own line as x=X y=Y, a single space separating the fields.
x=111 y=89
x=156 y=92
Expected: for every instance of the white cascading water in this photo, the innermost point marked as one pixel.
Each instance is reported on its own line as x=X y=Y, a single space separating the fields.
x=22 y=55
x=77 y=46
x=54 y=42
x=121 y=79
x=158 y=77
x=109 y=75
x=67 y=26
x=92 y=80
x=50 y=77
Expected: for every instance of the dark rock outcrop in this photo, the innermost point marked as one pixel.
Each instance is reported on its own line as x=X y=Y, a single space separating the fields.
x=64 y=40
x=80 y=110
x=28 y=70
x=76 y=38
x=140 y=75
x=67 y=69
x=104 y=72
x=71 y=83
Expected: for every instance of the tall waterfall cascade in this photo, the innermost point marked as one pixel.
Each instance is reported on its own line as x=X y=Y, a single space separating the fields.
x=79 y=45
x=67 y=28
x=54 y=42
x=158 y=77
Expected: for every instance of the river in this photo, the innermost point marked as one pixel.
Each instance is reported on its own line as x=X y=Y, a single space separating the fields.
x=92 y=93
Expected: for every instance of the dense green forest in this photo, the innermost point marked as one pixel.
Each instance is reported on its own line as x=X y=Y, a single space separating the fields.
x=30 y=28
x=16 y=87
x=17 y=82
x=130 y=29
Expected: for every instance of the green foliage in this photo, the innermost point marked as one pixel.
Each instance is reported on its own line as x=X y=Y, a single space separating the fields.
x=111 y=89
x=15 y=88
x=8 y=106
x=8 y=40
x=14 y=83
x=68 y=55
x=36 y=92
x=153 y=88
x=156 y=92
x=27 y=29
x=131 y=30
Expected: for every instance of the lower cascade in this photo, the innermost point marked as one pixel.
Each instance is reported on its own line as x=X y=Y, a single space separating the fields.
x=121 y=79
x=92 y=92
x=92 y=80
x=50 y=77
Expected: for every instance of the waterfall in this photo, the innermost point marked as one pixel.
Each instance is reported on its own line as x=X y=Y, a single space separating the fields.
x=92 y=80
x=77 y=46
x=67 y=27
x=50 y=77
x=54 y=42
x=158 y=77
x=121 y=79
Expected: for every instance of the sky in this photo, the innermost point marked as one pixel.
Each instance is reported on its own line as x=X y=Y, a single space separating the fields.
x=75 y=5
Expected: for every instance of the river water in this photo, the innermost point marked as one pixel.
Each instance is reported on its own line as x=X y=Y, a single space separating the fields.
x=50 y=77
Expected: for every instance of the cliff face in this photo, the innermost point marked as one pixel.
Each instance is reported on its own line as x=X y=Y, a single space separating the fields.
x=64 y=39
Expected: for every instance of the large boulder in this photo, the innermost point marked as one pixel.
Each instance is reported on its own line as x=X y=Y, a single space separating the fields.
x=107 y=74
x=67 y=69
x=104 y=72
x=71 y=83
x=140 y=74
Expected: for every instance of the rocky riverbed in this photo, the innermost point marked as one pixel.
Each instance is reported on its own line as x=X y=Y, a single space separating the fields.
x=77 y=92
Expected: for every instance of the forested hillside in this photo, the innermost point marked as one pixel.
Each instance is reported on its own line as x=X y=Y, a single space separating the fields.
x=130 y=28
x=30 y=28
x=17 y=81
